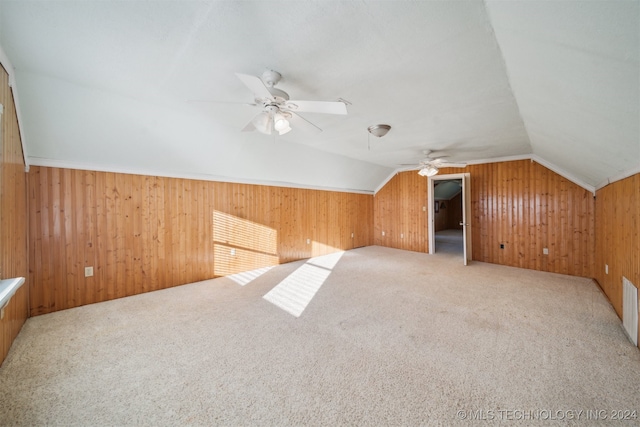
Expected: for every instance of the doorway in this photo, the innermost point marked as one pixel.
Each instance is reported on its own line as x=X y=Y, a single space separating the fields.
x=449 y=215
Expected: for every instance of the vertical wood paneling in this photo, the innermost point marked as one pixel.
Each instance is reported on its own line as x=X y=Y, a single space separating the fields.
x=398 y=213
x=520 y=204
x=144 y=233
x=13 y=218
x=618 y=237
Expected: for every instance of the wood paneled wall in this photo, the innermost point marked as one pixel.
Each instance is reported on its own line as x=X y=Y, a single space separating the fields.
x=520 y=204
x=143 y=233
x=449 y=215
x=618 y=237
x=13 y=218
x=400 y=213
x=441 y=217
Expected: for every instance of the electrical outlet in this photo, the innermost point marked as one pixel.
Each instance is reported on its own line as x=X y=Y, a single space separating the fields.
x=401 y=235
x=383 y=233
x=308 y=241
x=233 y=252
x=545 y=251
x=424 y=209
x=352 y=235
x=88 y=271
x=501 y=245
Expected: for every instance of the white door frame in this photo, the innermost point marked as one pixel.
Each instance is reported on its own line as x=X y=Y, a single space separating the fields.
x=466 y=212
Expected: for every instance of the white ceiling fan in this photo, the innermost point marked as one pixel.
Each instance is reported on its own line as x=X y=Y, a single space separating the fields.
x=279 y=113
x=430 y=165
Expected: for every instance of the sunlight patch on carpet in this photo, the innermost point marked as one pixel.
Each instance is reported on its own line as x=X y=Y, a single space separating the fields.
x=296 y=291
x=248 y=276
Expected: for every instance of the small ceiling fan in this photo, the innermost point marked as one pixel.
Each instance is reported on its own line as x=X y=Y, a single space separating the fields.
x=430 y=165
x=279 y=113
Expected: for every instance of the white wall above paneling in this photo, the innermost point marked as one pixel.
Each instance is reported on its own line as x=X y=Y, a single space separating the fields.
x=109 y=84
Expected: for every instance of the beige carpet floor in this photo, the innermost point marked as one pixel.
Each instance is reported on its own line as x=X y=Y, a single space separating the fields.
x=390 y=338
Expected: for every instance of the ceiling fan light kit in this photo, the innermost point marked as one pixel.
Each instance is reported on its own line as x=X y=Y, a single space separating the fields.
x=278 y=111
x=428 y=171
x=379 y=130
x=281 y=124
x=430 y=165
x=262 y=123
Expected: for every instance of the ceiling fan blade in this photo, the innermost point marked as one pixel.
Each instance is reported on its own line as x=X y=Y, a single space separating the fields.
x=207 y=101
x=303 y=124
x=255 y=85
x=452 y=165
x=317 y=107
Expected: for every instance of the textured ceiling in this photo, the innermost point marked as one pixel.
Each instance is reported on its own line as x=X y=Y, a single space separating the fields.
x=110 y=85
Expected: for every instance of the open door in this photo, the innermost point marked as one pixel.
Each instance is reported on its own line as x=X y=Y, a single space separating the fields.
x=465 y=223
x=466 y=217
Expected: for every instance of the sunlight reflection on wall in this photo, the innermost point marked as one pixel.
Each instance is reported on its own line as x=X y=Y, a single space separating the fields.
x=242 y=245
x=319 y=248
x=296 y=291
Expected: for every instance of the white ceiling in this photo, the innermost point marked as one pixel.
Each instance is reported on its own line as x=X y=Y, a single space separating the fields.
x=108 y=85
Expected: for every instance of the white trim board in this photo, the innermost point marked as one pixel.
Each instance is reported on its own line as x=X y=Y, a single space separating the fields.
x=390 y=177
x=532 y=157
x=39 y=161
x=563 y=173
x=618 y=177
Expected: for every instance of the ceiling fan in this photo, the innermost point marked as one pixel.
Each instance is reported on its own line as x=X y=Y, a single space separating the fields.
x=430 y=165
x=279 y=113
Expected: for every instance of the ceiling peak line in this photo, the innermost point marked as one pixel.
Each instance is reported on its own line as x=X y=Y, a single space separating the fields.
x=195 y=28
x=503 y=62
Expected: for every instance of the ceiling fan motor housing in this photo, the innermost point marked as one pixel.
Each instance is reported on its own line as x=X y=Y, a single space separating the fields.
x=271 y=78
x=279 y=95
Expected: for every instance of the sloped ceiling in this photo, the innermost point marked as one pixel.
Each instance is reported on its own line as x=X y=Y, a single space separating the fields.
x=573 y=68
x=446 y=190
x=112 y=85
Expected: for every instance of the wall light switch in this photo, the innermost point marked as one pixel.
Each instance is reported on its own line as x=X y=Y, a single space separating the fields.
x=233 y=252
x=424 y=209
x=88 y=271
x=383 y=233
x=401 y=235
x=606 y=269
x=352 y=235
x=545 y=251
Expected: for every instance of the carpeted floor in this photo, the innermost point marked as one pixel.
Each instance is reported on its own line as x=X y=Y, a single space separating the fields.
x=390 y=338
x=449 y=241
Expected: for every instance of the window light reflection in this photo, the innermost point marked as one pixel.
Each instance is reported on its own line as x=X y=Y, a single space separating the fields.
x=248 y=276
x=296 y=291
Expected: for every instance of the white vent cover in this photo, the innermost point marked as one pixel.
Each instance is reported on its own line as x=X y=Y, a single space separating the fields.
x=630 y=309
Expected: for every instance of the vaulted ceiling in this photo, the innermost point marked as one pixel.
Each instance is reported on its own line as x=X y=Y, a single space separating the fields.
x=114 y=85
